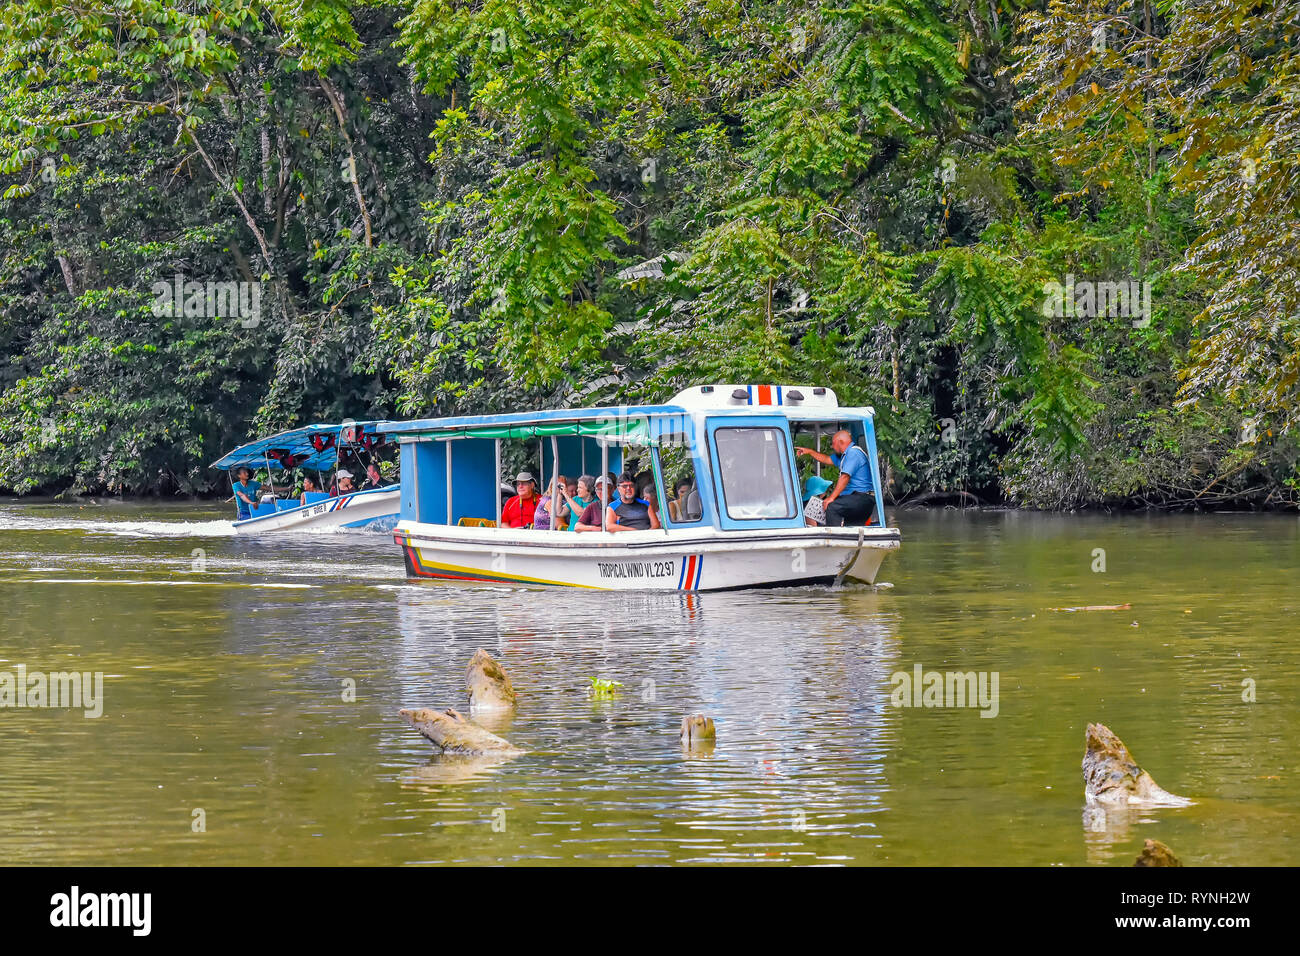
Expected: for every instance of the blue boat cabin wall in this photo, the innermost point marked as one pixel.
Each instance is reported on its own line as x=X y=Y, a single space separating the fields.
x=472 y=461
x=424 y=481
x=578 y=456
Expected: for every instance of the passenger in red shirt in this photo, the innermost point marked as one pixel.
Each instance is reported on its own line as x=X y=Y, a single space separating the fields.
x=518 y=512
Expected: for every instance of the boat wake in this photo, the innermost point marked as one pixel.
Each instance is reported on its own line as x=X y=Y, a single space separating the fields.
x=131 y=529
x=158 y=529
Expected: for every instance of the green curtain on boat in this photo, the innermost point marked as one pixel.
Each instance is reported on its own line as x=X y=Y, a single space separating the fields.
x=633 y=429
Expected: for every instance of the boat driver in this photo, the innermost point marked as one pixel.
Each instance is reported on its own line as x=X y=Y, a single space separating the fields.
x=246 y=490
x=851 y=500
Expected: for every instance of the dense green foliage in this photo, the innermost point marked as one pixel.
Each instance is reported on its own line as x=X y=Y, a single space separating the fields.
x=443 y=206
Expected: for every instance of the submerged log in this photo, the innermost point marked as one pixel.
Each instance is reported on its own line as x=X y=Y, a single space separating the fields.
x=451 y=732
x=1155 y=853
x=488 y=685
x=1112 y=776
x=698 y=729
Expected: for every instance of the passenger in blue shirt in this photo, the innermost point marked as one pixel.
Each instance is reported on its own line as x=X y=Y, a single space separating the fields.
x=246 y=493
x=852 y=500
x=628 y=512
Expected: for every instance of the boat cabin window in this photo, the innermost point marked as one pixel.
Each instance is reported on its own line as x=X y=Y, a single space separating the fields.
x=677 y=468
x=753 y=465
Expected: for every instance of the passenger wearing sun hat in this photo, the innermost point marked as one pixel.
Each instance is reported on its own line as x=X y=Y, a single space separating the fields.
x=814 y=512
x=519 y=510
x=342 y=483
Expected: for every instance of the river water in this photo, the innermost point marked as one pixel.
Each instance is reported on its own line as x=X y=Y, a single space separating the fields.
x=231 y=734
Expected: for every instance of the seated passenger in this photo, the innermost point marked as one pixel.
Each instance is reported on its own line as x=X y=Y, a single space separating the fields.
x=627 y=512
x=246 y=490
x=814 y=510
x=590 y=519
x=374 y=479
x=308 y=488
x=519 y=510
x=579 y=499
x=677 y=505
x=563 y=514
x=551 y=502
x=343 y=483
x=645 y=482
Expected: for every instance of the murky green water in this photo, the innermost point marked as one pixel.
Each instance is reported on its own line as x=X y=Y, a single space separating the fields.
x=226 y=671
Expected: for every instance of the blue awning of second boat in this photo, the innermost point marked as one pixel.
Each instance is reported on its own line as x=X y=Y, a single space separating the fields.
x=315 y=447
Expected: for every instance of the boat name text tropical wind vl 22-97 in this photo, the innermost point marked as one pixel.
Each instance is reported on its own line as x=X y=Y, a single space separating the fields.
x=637 y=569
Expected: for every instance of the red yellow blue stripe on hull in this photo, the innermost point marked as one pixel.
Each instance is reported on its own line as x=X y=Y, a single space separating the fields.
x=692 y=568
x=418 y=567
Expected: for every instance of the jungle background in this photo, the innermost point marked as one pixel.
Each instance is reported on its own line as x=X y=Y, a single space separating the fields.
x=470 y=207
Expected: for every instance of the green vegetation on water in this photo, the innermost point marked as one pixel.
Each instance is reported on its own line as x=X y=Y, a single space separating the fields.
x=1053 y=243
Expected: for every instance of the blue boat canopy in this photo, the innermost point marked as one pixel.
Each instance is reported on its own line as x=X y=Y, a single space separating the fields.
x=628 y=423
x=315 y=447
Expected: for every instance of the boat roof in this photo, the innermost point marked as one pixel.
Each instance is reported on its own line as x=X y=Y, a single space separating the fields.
x=296 y=442
x=798 y=402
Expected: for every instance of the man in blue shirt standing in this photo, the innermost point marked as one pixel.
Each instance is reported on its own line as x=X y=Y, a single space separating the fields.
x=852 y=500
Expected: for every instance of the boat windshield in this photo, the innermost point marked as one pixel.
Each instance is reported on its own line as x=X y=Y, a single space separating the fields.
x=753 y=465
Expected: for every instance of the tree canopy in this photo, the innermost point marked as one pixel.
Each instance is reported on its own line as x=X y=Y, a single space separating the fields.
x=1053 y=244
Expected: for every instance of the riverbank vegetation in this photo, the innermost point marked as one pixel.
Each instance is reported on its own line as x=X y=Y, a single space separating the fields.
x=1054 y=244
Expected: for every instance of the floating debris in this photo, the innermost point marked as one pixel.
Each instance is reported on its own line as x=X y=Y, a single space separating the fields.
x=1093 y=607
x=602 y=689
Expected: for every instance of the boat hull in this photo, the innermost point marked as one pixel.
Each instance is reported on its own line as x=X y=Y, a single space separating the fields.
x=361 y=511
x=678 y=560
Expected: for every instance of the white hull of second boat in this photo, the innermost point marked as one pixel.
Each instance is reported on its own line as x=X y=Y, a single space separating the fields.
x=677 y=560
x=374 y=510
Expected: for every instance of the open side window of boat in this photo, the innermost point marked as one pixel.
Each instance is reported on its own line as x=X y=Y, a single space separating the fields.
x=687 y=499
x=753 y=466
x=817 y=433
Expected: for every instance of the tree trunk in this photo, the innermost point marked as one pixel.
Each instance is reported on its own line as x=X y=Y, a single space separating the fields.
x=336 y=101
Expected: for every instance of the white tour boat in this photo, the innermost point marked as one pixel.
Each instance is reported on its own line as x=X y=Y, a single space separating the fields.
x=727 y=450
